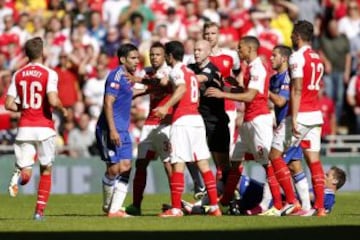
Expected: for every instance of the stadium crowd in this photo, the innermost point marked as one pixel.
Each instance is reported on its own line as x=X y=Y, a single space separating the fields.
x=82 y=37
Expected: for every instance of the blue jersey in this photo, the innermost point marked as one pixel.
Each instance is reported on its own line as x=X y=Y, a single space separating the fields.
x=251 y=192
x=280 y=84
x=329 y=199
x=118 y=85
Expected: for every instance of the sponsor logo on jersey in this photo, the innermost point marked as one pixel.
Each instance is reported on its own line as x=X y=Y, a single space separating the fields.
x=115 y=85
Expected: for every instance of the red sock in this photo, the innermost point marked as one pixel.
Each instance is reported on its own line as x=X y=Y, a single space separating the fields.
x=318 y=182
x=43 y=193
x=139 y=184
x=210 y=184
x=231 y=182
x=176 y=188
x=283 y=176
x=274 y=187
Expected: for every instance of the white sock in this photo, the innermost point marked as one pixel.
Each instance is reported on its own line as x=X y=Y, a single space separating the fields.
x=119 y=195
x=267 y=197
x=108 y=189
x=302 y=189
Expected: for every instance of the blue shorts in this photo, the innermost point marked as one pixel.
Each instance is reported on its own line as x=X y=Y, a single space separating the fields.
x=111 y=153
x=293 y=153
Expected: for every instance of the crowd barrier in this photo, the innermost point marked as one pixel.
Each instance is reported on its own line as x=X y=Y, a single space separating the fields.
x=81 y=176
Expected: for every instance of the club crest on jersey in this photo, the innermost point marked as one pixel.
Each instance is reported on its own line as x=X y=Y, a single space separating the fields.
x=226 y=63
x=115 y=85
x=111 y=153
x=285 y=87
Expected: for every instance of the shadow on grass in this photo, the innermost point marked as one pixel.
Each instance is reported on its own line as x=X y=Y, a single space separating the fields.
x=345 y=232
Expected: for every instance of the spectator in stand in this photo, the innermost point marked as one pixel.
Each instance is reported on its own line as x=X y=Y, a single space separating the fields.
x=111 y=11
x=7 y=136
x=308 y=9
x=38 y=27
x=81 y=138
x=81 y=8
x=4 y=114
x=4 y=11
x=139 y=7
x=96 y=28
x=353 y=98
x=175 y=27
x=240 y=18
x=349 y=24
x=335 y=52
x=327 y=107
x=229 y=36
x=69 y=90
x=21 y=30
x=284 y=14
x=137 y=33
x=93 y=90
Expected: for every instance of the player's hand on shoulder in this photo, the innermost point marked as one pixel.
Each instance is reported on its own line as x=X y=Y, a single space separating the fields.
x=214 y=92
x=132 y=78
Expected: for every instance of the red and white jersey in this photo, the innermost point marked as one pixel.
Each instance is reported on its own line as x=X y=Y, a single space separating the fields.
x=159 y=95
x=256 y=76
x=353 y=89
x=188 y=104
x=29 y=86
x=226 y=60
x=305 y=63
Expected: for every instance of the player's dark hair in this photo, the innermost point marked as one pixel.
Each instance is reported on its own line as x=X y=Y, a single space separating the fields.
x=176 y=49
x=251 y=40
x=304 y=29
x=158 y=45
x=284 y=50
x=125 y=49
x=340 y=176
x=34 y=48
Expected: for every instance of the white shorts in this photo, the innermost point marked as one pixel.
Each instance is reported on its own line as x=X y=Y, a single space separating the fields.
x=278 y=141
x=310 y=136
x=27 y=151
x=154 y=142
x=188 y=143
x=34 y=133
x=232 y=126
x=255 y=138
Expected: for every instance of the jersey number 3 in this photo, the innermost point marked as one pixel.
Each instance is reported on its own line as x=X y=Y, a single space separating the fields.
x=34 y=100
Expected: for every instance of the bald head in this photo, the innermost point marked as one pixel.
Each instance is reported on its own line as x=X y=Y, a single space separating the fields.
x=202 y=51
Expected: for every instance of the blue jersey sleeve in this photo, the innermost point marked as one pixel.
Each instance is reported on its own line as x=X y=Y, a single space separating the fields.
x=329 y=201
x=112 y=84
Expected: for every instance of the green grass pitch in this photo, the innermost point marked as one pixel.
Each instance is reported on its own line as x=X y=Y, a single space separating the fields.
x=80 y=217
